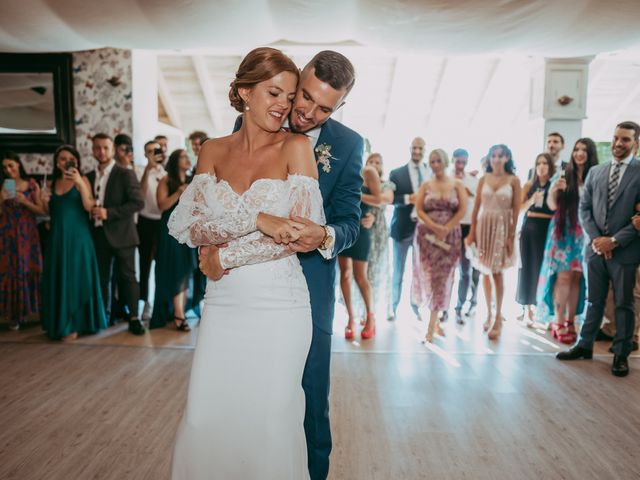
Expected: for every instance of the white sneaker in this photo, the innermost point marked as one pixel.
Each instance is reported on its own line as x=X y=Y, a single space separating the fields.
x=146 y=313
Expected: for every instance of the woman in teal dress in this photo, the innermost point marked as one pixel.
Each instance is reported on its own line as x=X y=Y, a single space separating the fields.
x=561 y=285
x=175 y=262
x=71 y=299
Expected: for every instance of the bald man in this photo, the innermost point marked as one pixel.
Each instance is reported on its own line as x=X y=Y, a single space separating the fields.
x=407 y=180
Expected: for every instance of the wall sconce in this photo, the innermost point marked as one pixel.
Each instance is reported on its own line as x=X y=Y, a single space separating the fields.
x=565 y=100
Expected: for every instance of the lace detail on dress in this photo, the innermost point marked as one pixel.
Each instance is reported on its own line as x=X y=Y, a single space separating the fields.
x=210 y=212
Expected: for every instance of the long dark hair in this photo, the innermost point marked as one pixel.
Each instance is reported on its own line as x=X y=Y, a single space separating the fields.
x=509 y=167
x=567 y=211
x=12 y=156
x=173 y=171
x=550 y=164
x=57 y=173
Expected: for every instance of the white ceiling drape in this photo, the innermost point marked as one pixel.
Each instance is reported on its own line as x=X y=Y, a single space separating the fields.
x=554 y=28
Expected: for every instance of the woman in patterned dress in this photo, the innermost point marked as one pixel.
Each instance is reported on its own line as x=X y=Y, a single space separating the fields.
x=21 y=259
x=440 y=205
x=561 y=286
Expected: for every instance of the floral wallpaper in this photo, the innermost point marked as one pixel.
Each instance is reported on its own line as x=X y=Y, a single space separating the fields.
x=102 y=102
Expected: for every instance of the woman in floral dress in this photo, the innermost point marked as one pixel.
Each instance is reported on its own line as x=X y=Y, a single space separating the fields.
x=440 y=205
x=21 y=259
x=561 y=286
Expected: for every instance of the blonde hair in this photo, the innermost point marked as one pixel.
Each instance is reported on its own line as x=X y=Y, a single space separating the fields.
x=443 y=156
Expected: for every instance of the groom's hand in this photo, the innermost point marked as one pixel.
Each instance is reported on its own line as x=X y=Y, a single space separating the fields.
x=311 y=235
x=209 y=262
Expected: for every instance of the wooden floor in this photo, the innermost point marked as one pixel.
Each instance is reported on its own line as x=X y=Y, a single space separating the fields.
x=107 y=406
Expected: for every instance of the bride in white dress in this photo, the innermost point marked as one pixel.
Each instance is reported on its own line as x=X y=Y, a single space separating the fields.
x=245 y=409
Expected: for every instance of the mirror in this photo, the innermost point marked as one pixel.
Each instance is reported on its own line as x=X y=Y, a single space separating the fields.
x=36 y=102
x=26 y=103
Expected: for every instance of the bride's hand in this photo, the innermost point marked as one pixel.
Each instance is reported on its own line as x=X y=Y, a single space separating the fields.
x=282 y=230
x=209 y=262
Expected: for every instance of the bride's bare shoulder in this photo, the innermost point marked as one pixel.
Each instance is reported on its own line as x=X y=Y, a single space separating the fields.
x=298 y=152
x=212 y=150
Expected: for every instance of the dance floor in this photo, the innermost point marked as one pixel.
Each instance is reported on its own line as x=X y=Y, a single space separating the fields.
x=107 y=406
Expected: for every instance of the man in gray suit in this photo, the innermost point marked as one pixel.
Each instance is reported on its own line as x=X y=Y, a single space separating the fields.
x=607 y=207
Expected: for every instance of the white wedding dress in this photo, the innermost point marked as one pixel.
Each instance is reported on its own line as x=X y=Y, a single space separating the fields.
x=245 y=408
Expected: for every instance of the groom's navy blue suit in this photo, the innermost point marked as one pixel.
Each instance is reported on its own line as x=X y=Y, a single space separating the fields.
x=340 y=190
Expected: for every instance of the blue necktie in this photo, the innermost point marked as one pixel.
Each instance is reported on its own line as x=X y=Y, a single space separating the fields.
x=420 y=176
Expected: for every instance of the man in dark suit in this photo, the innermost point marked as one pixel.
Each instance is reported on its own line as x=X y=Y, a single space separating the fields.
x=607 y=207
x=324 y=84
x=407 y=180
x=118 y=198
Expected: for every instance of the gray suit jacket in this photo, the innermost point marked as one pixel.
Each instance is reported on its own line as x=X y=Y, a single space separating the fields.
x=594 y=211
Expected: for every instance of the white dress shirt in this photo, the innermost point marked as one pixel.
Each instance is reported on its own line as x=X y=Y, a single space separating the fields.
x=151 y=209
x=415 y=181
x=100 y=187
x=623 y=168
x=471 y=184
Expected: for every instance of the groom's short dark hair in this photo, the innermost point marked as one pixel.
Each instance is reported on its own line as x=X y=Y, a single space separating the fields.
x=335 y=69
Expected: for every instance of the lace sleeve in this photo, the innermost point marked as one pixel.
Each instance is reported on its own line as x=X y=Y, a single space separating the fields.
x=304 y=200
x=205 y=216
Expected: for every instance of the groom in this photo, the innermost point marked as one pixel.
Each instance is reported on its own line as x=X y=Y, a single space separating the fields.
x=324 y=84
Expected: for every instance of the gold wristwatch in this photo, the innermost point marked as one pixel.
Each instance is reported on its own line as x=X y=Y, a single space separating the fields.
x=327 y=241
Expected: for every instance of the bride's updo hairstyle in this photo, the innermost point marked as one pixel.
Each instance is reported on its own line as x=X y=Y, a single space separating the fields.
x=259 y=65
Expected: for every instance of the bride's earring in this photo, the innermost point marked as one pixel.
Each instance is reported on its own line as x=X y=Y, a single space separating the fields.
x=246 y=107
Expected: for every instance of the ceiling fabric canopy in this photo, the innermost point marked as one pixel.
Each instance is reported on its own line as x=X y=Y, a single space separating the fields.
x=550 y=28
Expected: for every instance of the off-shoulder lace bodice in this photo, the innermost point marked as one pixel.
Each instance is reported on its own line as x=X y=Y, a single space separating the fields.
x=210 y=212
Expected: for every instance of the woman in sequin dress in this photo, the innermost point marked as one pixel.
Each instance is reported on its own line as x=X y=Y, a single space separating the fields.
x=493 y=225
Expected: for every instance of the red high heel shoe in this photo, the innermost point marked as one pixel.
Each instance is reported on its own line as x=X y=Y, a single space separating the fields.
x=567 y=334
x=368 y=334
x=348 y=331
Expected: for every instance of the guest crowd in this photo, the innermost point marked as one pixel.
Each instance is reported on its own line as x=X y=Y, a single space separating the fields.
x=79 y=274
x=578 y=243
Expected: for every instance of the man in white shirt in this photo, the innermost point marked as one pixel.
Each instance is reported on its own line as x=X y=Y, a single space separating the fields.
x=149 y=219
x=407 y=180
x=118 y=198
x=468 y=274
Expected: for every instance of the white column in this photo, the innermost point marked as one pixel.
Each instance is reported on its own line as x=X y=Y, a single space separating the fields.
x=145 y=100
x=565 y=99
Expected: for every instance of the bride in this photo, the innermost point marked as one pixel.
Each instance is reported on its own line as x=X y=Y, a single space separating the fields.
x=245 y=408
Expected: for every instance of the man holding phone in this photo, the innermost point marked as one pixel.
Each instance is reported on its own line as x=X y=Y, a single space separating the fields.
x=149 y=219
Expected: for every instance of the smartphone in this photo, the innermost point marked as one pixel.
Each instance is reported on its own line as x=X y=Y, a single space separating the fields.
x=157 y=151
x=9 y=186
x=69 y=164
x=562 y=170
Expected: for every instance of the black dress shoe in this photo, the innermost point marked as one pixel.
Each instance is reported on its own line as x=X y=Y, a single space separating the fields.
x=459 y=319
x=620 y=367
x=603 y=337
x=136 y=326
x=445 y=316
x=575 y=353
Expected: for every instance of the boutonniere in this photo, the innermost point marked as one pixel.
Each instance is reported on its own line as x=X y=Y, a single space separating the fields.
x=323 y=151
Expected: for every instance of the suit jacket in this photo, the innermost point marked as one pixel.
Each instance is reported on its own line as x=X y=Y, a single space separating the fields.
x=122 y=199
x=341 y=193
x=402 y=226
x=594 y=211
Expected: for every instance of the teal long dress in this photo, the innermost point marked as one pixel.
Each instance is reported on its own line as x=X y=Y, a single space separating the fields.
x=71 y=298
x=175 y=266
